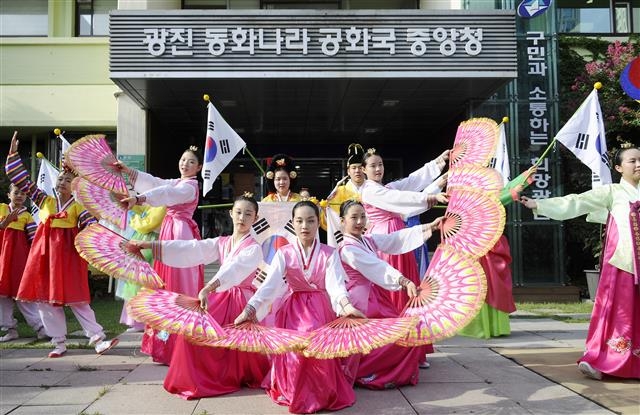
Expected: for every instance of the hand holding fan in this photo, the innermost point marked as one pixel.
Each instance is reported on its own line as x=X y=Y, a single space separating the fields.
x=475 y=142
x=252 y=337
x=450 y=296
x=175 y=313
x=346 y=336
x=108 y=252
x=100 y=202
x=92 y=158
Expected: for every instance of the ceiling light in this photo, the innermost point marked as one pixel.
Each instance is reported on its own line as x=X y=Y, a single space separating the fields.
x=390 y=102
x=370 y=130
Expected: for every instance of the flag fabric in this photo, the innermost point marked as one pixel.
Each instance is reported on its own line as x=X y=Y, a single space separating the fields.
x=46 y=181
x=273 y=230
x=584 y=136
x=500 y=161
x=221 y=146
x=334 y=232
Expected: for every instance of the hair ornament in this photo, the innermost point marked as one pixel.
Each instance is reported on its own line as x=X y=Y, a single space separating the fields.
x=293 y=174
x=626 y=145
x=371 y=151
x=281 y=162
x=193 y=148
x=247 y=194
x=323 y=203
x=355 y=148
x=269 y=175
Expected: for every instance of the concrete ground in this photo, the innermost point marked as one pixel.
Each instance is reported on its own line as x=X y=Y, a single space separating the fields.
x=466 y=377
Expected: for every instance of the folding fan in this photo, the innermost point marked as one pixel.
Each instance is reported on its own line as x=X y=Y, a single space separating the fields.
x=175 y=313
x=450 y=296
x=475 y=142
x=252 y=337
x=100 y=202
x=108 y=252
x=473 y=221
x=92 y=158
x=476 y=176
x=346 y=336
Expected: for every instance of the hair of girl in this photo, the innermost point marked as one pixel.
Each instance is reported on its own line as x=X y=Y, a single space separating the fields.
x=247 y=197
x=617 y=158
x=370 y=152
x=12 y=186
x=304 y=203
x=344 y=207
x=194 y=150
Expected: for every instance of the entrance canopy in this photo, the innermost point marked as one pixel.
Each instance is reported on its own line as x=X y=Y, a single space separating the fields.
x=292 y=77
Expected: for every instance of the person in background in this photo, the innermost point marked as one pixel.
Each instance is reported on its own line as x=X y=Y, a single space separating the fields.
x=55 y=275
x=17 y=229
x=613 y=340
x=387 y=205
x=180 y=196
x=145 y=222
x=281 y=177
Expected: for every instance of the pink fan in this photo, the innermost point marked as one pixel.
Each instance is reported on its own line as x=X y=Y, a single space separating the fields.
x=346 y=336
x=450 y=296
x=100 y=202
x=92 y=158
x=252 y=337
x=175 y=313
x=473 y=221
x=478 y=177
x=107 y=251
x=475 y=142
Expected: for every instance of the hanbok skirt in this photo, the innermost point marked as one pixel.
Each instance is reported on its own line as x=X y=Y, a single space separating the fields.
x=307 y=385
x=200 y=371
x=15 y=250
x=55 y=273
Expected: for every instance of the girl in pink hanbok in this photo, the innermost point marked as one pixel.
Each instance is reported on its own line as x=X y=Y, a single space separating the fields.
x=199 y=371
x=389 y=366
x=387 y=205
x=613 y=340
x=308 y=277
x=180 y=196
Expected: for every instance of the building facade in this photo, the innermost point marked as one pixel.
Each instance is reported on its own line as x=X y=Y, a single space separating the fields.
x=301 y=77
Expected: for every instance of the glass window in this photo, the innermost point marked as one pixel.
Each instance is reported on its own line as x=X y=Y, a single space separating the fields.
x=24 y=18
x=93 y=16
x=381 y=4
x=623 y=17
x=296 y=5
x=204 y=4
x=575 y=16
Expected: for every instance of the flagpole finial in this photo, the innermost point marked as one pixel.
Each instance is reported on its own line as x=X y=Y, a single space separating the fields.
x=56 y=131
x=597 y=85
x=39 y=155
x=505 y=119
x=206 y=97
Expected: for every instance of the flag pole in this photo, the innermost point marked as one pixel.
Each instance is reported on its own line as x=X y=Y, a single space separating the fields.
x=207 y=98
x=220 y=205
